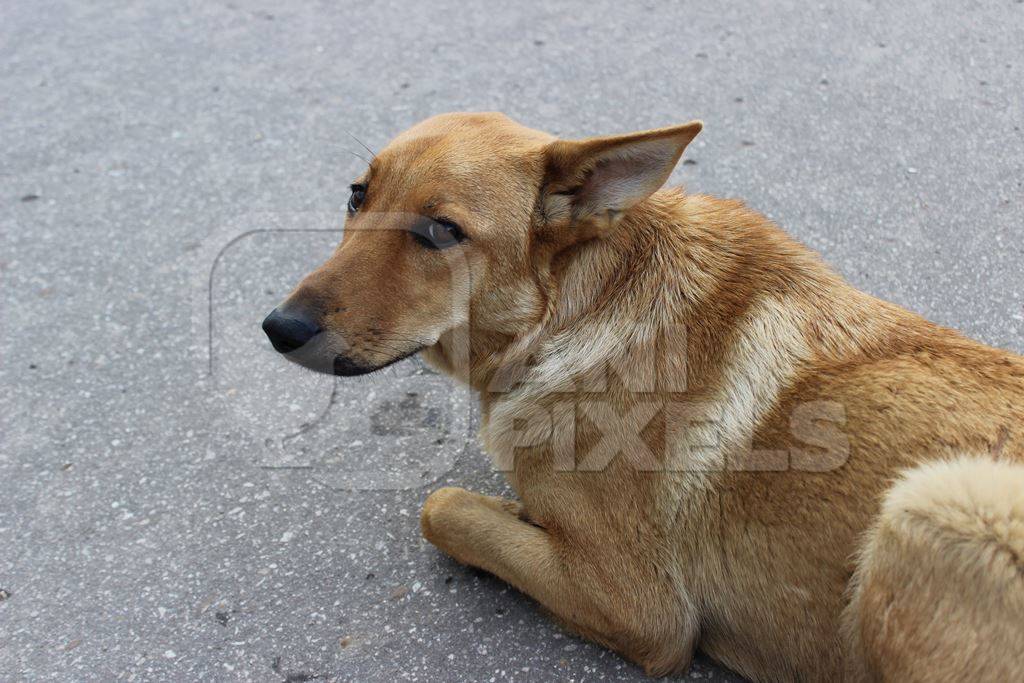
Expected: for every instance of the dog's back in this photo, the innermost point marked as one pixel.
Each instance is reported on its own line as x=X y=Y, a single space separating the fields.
x=888 y=472
x=882 y=410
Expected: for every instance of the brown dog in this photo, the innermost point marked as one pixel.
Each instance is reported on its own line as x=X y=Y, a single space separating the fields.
x=716 y=442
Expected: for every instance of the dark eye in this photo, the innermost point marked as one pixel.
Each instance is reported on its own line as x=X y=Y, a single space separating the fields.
x=357 y=197
x=437 y=233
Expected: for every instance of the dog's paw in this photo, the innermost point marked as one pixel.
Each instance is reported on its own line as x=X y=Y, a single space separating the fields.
x=437 y=509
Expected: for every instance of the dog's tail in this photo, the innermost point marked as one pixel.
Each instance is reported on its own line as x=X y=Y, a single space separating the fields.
x=938 y=594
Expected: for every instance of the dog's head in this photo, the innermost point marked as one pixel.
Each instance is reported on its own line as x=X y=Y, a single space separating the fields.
x=451 y=233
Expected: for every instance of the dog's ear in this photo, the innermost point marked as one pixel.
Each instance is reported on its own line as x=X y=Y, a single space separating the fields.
x=590 y=183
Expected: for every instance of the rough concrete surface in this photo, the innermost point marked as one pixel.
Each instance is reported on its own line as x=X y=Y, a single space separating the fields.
x=178 y=503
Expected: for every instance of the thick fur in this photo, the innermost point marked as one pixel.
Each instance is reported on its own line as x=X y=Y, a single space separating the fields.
x=715 y=441
x=951 y=538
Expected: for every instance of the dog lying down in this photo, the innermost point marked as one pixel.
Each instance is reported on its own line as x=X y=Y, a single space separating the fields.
x=716 y=442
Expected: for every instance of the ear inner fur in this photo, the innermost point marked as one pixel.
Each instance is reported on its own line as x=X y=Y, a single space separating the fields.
x=591 y=183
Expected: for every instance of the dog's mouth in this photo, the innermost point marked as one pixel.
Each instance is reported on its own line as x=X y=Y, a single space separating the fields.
x=321 y=354
x=347 y=367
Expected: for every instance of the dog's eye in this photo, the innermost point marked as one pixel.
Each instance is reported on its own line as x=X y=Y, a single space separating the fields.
x=437 y=233
x=357 y=197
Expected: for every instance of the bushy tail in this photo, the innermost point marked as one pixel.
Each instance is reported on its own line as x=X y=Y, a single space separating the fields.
x=938 y=594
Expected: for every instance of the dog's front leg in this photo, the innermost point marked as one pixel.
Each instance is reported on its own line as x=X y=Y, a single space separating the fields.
x=640 y=622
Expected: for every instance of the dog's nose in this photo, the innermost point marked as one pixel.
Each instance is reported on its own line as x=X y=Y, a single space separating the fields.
x=289 y=330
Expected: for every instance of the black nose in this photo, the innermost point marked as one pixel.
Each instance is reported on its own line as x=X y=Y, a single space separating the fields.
x=289 y=330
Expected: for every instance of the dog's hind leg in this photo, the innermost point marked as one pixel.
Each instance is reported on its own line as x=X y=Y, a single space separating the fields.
x=596 y=595
x=938 y=594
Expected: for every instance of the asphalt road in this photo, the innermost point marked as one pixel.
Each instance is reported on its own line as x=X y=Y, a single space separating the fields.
x=177 y=503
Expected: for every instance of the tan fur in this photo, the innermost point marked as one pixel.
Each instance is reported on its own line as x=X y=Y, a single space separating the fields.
x=967 y=517
x=716 y=442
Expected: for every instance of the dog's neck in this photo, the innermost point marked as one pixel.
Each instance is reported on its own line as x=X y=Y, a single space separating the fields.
x=712 y=270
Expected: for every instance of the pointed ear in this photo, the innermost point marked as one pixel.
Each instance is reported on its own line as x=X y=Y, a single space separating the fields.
x=594 y=181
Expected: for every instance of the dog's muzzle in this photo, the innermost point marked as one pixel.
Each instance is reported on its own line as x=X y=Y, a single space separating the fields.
x=297 y=334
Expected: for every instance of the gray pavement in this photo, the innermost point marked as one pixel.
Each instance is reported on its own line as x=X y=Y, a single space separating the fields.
x=177 y=503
